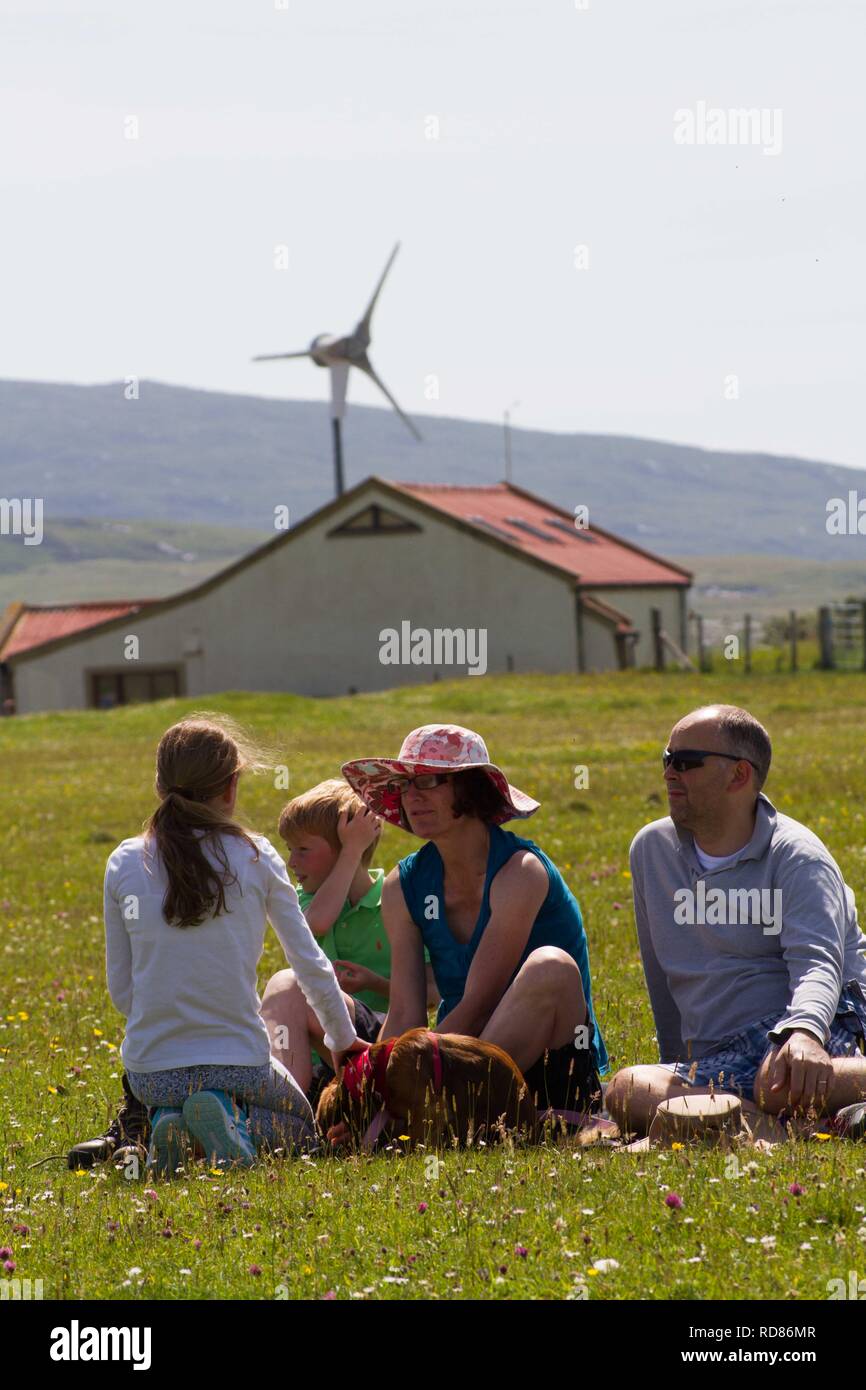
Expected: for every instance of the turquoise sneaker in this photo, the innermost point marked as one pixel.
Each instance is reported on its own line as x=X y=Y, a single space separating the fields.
x=220 y=1126
x=167 y=1130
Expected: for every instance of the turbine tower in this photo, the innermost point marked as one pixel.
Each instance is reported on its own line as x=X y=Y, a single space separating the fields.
x=338 y=355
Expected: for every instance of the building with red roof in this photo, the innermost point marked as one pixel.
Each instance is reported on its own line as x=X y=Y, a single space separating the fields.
x=390 y=584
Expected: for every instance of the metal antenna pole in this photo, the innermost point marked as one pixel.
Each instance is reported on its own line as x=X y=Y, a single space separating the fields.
x=508 y=440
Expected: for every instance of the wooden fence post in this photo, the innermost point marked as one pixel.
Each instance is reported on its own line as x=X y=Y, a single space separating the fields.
x=793 y=618
x=825 y=638
x=658 y=644
x=702 y=651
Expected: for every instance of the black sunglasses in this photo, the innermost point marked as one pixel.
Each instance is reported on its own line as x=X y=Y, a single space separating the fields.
x=687 y=759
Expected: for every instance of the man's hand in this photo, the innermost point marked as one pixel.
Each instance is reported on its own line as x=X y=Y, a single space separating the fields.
x=804 y=1067
x=353 y=978
x=358 y=833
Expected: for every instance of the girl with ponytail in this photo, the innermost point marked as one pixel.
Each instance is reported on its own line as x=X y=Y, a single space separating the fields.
x=186 y=907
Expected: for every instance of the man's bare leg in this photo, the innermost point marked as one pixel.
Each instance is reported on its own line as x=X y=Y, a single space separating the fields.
x=541 y=1008
x=293 y=1027
x=635 y=1093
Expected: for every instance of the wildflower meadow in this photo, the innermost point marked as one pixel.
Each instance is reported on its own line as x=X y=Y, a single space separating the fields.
x=552 y=1222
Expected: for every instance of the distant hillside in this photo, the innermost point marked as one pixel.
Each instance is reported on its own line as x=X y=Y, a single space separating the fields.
x=184 y=456
x=81 y=560
x=73 y=541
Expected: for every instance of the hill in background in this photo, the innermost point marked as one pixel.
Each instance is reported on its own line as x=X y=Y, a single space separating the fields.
x=144 y=498
x=185 y=456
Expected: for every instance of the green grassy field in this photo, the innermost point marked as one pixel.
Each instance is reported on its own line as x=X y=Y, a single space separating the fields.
x=528 y=1223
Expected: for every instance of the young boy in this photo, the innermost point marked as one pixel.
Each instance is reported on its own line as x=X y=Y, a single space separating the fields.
x=332 y=836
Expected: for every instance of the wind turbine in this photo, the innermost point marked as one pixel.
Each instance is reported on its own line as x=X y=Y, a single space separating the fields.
x=338 y=355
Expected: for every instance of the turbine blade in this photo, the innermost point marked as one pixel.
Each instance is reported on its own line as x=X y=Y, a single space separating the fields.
x=280 y=356
x=364 y=323
x=367 y=366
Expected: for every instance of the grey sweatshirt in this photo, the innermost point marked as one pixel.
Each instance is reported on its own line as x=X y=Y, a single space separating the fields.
x=718 y=962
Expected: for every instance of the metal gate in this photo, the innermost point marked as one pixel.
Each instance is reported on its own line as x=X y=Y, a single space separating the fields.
x=842 y=633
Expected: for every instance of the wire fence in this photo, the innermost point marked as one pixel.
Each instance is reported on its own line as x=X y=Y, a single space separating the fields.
x=830 y=638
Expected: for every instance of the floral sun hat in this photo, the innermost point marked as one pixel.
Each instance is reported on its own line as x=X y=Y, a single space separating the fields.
x=432 y=748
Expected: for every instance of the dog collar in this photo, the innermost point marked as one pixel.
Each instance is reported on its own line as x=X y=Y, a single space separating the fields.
x=361 y=1071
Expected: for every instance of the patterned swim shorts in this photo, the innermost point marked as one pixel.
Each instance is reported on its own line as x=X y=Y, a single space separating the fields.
x=733 y=1065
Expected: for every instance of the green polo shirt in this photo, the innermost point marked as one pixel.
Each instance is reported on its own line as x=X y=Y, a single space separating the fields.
x=358 y=935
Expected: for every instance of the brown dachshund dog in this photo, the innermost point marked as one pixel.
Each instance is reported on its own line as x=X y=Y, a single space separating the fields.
x=437 y=1088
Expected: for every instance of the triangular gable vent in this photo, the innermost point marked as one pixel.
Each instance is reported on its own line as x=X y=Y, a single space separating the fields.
x=374 y=521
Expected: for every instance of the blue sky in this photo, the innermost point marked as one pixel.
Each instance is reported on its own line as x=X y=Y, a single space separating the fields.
x=309 y=127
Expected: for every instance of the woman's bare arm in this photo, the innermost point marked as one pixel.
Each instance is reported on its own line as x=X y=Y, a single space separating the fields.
x=407 y=1003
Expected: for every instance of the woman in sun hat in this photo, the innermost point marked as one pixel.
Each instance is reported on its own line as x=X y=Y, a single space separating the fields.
x=504 y=932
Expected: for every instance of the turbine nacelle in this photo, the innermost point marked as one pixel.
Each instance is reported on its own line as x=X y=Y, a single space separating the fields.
x=325 y=349
x=339 y=355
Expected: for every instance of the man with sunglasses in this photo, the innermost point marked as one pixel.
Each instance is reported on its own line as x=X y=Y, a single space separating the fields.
x=773 y=1010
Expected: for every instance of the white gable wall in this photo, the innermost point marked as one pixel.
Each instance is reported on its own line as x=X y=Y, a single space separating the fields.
x=599 y=644
x=637 y=605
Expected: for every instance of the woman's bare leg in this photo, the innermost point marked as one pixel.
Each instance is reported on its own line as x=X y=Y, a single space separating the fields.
x=541 y=1008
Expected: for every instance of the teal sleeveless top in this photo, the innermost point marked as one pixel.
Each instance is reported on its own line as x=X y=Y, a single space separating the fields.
x=558 y=923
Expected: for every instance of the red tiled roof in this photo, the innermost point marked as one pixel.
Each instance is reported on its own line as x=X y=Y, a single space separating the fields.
x=546 y=532
x=32 y=626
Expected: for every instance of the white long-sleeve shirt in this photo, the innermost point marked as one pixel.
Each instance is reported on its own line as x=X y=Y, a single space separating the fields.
x=189 y=994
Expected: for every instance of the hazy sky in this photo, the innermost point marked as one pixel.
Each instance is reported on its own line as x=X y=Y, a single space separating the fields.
x=309 y=126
